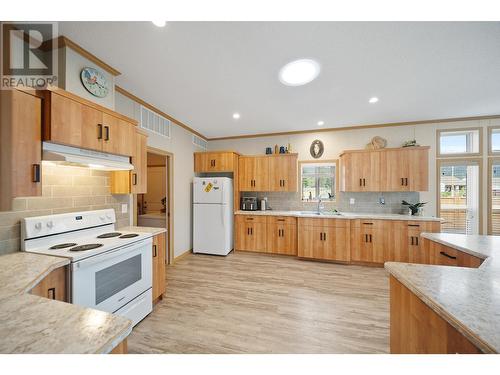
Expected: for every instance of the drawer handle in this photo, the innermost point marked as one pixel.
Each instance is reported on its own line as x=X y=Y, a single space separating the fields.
x=280 y=219
x=36 y=172
x=51 y=293
x=249 y=218
x=414 y=225
x=368 y=223
x=447 y=255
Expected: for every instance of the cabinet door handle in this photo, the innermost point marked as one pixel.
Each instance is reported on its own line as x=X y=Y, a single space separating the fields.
x=366 y=238
x=320 y=236
x=370 y=238
x=214 y=162
x=416 y=241
x=106 y=131
x=412 y=239
x=402 y=181
x=284 y=183
x=51 y=293
x=36 y=172
x=248 y=231
x=364 y=182
x=251 y=231
x=360 y=182
x=134 y=176
x=154 y=251
x=406 y=181
x=447 y=255
x=99 y=131
x=324 y=236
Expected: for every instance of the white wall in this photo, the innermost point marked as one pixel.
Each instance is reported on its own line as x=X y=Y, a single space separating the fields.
x=337 y=141
x=181 y=145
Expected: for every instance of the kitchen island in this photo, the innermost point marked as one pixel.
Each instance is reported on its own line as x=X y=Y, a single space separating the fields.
x=33 y=324
x=430 y=304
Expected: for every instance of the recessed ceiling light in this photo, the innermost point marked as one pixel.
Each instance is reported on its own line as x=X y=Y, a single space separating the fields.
x=373 y=100
x=299 y=72
x=236 y=116
x=159 y=23
x=321 y=123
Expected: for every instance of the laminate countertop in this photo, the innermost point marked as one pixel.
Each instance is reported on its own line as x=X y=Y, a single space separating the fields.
x=33 y=324
x=340 y=215
x=152 y=230
x=467 y=298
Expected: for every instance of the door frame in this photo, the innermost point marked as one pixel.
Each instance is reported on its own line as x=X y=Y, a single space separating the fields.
x=479 y=161
x=169 y=165
x=491 y=160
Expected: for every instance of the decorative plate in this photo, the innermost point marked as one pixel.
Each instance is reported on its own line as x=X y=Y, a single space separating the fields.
x=95 y=82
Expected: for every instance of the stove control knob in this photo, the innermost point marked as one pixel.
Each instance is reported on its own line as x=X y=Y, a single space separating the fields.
x=38 y=225
x=50 y=224
x=108 y=216
x=102 y=217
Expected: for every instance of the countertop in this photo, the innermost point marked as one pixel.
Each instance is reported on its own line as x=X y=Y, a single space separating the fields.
x=33 y=324
x=343 y=215
x=152 y=230
x=467 y=298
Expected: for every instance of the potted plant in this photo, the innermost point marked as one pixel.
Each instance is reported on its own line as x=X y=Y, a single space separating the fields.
x=414 y=207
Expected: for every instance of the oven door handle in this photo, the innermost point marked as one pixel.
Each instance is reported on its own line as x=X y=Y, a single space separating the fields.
x=119 y=252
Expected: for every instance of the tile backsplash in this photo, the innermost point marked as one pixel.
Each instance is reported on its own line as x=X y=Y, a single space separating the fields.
x=363 y=202
x=64 y=189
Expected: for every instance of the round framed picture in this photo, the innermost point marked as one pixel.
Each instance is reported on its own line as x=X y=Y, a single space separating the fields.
x=316 y=149
x=95 y=82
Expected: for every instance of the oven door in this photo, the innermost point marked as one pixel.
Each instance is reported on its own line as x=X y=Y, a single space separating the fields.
x=110 y=280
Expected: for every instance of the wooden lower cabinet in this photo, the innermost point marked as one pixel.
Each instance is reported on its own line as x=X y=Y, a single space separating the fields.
x=282 y=235
x=326 y=239
x=405 y=243
x=251 y=233
x=159 y=266
x=416 y=329
x=121 y=348
x=369 y=239
x=54 y=285
x=442 y=255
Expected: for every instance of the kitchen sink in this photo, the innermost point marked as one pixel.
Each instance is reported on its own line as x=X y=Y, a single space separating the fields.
x=326 y=213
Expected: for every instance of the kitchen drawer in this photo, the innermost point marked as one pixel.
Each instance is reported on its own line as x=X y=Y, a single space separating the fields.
x=313 y=222
x=366 y=223
x=252 y=218
x=289 y=220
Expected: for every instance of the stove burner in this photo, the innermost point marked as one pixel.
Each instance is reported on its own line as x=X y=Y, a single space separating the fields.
x=62 y=246
x=130 y=235
x=109 y=235
x=89 y=246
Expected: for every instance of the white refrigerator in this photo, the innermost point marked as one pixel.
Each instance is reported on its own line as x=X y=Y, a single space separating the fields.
x=212 y=215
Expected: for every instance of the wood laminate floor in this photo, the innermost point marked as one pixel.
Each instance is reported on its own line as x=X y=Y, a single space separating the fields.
x=260 y=303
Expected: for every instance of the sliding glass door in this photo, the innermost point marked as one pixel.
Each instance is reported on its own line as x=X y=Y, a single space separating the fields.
x=459 y=202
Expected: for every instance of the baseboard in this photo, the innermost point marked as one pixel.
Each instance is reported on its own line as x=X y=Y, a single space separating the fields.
x=184 y=254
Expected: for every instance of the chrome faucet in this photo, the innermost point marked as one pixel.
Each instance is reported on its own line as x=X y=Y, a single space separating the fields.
x=320 y=206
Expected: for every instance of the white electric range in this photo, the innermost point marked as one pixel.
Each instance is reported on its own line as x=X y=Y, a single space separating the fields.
x=111 y=270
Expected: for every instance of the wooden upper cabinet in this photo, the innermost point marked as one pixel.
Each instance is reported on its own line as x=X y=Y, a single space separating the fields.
x=360 y=171
x=139 y=176
x=253 y=173
x=20 y=144
x=74 y=121
x=118 y=135
x=220 y=161
x=406 y=169
x=397 y=169
x=283 y=172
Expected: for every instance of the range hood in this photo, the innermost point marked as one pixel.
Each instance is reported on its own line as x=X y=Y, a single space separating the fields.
x=67 y=155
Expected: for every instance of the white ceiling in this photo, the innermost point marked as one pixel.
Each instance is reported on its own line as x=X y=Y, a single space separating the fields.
x=203 y=72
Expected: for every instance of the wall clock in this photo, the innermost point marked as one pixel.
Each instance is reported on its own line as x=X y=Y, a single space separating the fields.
x=95 y=82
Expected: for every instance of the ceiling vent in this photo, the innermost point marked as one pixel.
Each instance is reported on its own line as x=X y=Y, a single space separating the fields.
x=155 y=123
x=200 y=142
